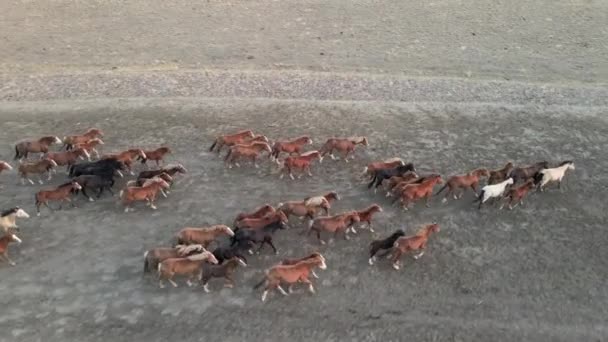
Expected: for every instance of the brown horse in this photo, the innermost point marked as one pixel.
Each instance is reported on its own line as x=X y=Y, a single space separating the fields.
x=259 y=223
x=290 y=274
x=147 y=181
x=157 y=155
x=413 y=192
x=299 y=209
x=225 y=270
x=126 y=157
x=247 y=151
x=189 y=266
x=290 y=146
x=469 y=180
x=294 y=261
x=523 y=173
x=368 y=171
x=366 y=215
x=68 y=158
x=416 y=242
x=231 y=139
x=334 y=224
x=24 y=147
x=90 y=146
x=147 y=193
x=516 y=195
x=258 y=213
x=301 y=162
x=394 y=183
x=203 y=236
x=342 y=145
x=154 y=256
x=36 y=167
x=61 y=193
x=500 y=175
x=4 y=242
x=71 y=140
x=323 y=201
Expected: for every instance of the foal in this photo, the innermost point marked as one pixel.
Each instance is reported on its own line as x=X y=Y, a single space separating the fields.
x=4 y=242
x=202 y=236
x=342 y=145
x=24 y=147
x=225 y=270
x=157 y=155
x=301 y=162
x=91 y=146
x=230 y=139
x=61 y=193
x=383 y=244
x=405 y=244
x=145 y=193
x=516 y=196
x=250 y=151
x=189 y=266
x=36 y=167
x=555 y=174
x=71 y=140
x=469 y=180
x=9 y=217
x=290 y=146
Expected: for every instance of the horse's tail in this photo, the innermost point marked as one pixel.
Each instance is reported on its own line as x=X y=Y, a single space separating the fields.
x=146 y=263
x=258 y=285
x=213 y=145
x=442 y=188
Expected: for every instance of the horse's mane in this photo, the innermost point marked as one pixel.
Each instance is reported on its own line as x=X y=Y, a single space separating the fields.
x=65 y=184
x=357 y=139
x=566 y=162
x=395 y=159
x=173 y=166
x=9 y=211
x=308 y=153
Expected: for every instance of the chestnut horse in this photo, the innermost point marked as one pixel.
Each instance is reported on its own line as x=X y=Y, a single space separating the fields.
x=190 y=266
x=147 y=181
x=290 y=274
x=36 y=167
x=225 y=270
x=249 y=151
x=203 y=236
x=258 y=213
x=24 y=147
x=299 y=209
x=230 y=139
x=323 y=201
x=157 y=155
x=61 y=193
x=293 y=261
x=154 y=256
x=416 y=242
x=301 y=162
x=71 y=140
x=368 y=171
x=394 y=184
x=4 y=242
x=68 y=158
x=523 y=173
x=8 y=218
x=366 y=215
x=500 y=175
x=91 y=146
x=516 y=195
x=126 y=157
x=342 y=145
x=334 y=224
x=291 y=146
x=144 y=193
x=469 y=180
x=413 y=192
x=259 y=223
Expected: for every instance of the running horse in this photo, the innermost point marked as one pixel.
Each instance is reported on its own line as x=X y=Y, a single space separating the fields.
x=144 y=193
x=469 y=180
x=334 y=224
x=259 y=223
x=391 y=163
x=424 y=189
x=5 y=240
x=126 y=157
x=230 y=139
x=294 y=261
x=68 y=158
x=416 y=242
x=301 y=162
x=203 y=236
x=366 y=215
x=323 y=201
x=225 y=270
x=385 y=244
x=91 y=146
x=257 y=213
x=8 y=218
x=290 y=146
x=156 y=155
x=246 y=151
x=395 y=183
x=71 y=140
x=556 y=174
x=24 y=147
x=516 y=195
x=171 y=170
x=36 y=167
x=155 y=256
x=61 y=193
x=190 y=266
x=342 y=145
x=523 y=173
x=290 y=274
x=500 y=175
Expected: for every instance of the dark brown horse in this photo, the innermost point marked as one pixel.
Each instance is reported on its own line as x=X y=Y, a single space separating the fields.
x=516 y=195
x=225 y=270
x=500 y=175
x=368 y=171
x=523 y=173
x=24 y=147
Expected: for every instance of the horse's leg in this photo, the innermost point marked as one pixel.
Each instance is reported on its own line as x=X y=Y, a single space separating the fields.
x=319 y=236
x=308 y=170
x=39 y=179
x=70 y=201
x=229 y=281
x=170 y=279
x=254 y=160
x=305 y=280
x=427 y=201
x=396 y=255
x=5 y=256
x=268 y=240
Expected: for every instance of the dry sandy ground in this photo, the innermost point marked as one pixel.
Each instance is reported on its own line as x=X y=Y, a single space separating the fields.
x=536 y=273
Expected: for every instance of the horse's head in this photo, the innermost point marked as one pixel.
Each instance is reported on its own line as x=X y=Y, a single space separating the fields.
x=433 y=228
x=320 y=261
x=20 y=213
x=509 y=181
x=332 y=196
x=49 y=140
x=76 y=186
x=436 y=178
x=164 y=150
x=93 y=132
x=353 y=217
x=398 y=233
x=307 y=140
x=95 y=141
x=139 y=152
x=179 y=168
x=50 y=162
x=569 y=163
x=227 y=230
x=375 y=208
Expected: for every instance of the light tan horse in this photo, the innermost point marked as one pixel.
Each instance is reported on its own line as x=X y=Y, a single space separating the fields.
x=190 y=266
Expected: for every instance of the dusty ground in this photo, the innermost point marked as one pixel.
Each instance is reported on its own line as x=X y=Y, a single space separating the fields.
x=536 y=273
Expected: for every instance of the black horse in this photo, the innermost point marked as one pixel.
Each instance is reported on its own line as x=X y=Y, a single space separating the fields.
x=99 y=167
x=248 y=237
x=383 y=244
x=380 y=175
x=526 y=172
x=223 y=253
x=99 y=182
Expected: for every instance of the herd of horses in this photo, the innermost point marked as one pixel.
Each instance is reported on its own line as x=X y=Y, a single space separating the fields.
x=191 y=255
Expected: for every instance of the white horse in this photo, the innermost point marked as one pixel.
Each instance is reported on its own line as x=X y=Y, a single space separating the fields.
x=9 y=217
x=493 y=191
x=555 y=174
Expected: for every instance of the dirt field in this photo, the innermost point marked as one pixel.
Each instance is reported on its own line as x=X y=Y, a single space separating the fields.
x=536 y=273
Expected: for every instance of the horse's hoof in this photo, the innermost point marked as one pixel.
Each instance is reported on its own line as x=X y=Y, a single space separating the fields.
x=91 y=199
x=12 y=263
x=444 y=200
x=38 y=214
x=370 y=261
x=322 y=242
x=396 y=267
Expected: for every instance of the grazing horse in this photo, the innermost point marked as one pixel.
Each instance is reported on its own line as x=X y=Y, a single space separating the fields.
x=259 y=223
x=189 y=266
x=154 y=256
x=258 y=213
x=246 y=151
x=556 y=174
x=5 y=166
x=394 y=184
x=290 y=274
x=385 y=244
x=246 y=238
x=334 y=224
x=291 y=146
x=223 y=253
x=381 y=174
x=71 y=140
x=95 y=182
x=126 y=157
x=416 y=242
x=492 y=191
x=4 y=242
x=424 y=189
x=225 y=270
x=516 y=195
x=231 y=139
x=469 y=180
x=523 y=173
x=171 y=170
x=323 y=201
x=91 y=146
x=61 y=193
x=68 y=158
x=301 y=162
x=24 y=147
x=203 y=236
x=144 y=193
x=368 y=171
x=36 y=167
x=366 y=215
x=157 y=155
x=9 y=217
x=99 y=167
x=500 y=175
x=342 y=145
